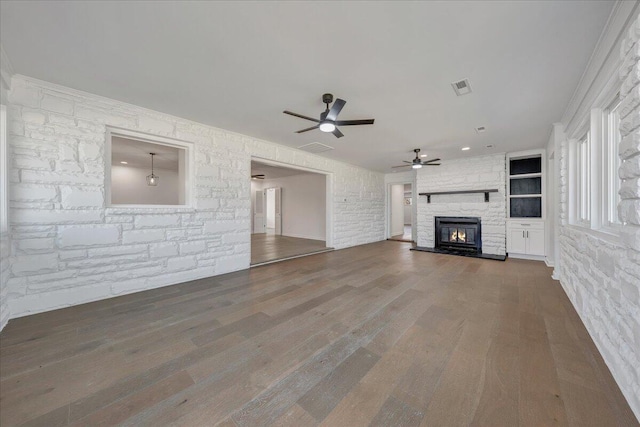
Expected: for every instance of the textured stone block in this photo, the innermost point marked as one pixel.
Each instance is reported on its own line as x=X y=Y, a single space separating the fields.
x=34 y=264
x=142 y=236
x=153 y=221
x=91 y=235
x=630 y=168
x=36 y=245
x=37 y=216
x=57 y=104
x=193 y=247
x=81 y=197
x=37 y=193
x=163 y=250
x=181 y=263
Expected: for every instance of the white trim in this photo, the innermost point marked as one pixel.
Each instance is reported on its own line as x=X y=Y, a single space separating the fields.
x=189 y=166
x=4 y=170
x=527 y=257
x=328 y=187
x=603 y=62
x=6 y=71
x=414 y=204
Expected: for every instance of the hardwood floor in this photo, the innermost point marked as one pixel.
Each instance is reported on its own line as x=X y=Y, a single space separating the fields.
x=269 y=247
x=405 y=237
x=372 y=335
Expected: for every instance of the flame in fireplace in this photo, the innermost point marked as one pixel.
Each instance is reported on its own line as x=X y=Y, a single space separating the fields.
x=458 y=235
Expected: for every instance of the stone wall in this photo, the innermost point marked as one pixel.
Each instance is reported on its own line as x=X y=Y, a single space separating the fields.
x=477 y=173
x=600 y=274
x=68 y=248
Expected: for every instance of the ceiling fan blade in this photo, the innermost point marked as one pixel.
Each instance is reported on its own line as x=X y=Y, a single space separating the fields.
x=335 y=109
x=355 y=122
x=308 y=129
x=431 y=164
x=430 y=161
x=337 y=133
x=406 y=161
x=401 y=166
x=301 y=116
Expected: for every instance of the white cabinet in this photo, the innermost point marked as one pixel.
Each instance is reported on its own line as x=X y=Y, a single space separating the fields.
x=525 y=238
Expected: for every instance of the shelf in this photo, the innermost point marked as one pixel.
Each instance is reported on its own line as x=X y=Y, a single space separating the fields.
x=526 y=175
x=436 y=193
x=523 y=196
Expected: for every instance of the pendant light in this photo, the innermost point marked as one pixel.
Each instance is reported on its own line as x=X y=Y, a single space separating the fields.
x=152 y=179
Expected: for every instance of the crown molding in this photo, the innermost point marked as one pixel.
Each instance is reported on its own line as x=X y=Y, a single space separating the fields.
x=603 y=62
x=6 y=70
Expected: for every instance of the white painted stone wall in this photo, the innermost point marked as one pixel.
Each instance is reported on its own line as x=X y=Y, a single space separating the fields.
x=601 y=275
x=68 y=248
x=5 y=244
x=476 y=173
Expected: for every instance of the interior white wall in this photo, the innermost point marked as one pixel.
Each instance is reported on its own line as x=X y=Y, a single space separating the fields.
x=407 y=176
x=271 y=208
x=129 y=186
x=69 y=248
x=397 y=209
x=303 y=200
x=407 y=208
x=5 y=236
x=600 y=273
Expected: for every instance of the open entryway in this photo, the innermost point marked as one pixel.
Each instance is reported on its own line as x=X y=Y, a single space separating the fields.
x=289 y=211
x=401 y=212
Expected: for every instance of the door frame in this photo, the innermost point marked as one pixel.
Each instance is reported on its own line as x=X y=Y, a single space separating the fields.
x=414 y=208
x=329 y=183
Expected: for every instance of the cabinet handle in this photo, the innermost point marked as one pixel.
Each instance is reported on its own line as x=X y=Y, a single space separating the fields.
x=527 y=234
x=523 y=234
x=525 y=225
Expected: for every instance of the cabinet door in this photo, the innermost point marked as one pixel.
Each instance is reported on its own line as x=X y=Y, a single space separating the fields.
x=535 y=242
x=517 y=241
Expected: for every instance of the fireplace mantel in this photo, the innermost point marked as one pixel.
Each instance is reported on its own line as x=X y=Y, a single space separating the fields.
x=435 y=193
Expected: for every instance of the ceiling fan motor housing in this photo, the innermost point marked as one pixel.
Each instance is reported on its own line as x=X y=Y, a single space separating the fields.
x=327 y=98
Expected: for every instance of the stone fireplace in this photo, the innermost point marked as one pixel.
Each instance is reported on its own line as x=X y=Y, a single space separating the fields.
x=471 y=184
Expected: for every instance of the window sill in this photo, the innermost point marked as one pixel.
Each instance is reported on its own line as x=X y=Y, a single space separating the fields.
x=151 y=209
x=606 y=236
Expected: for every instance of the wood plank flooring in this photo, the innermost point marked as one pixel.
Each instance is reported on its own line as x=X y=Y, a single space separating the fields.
x=269 y=247
x=373 y=335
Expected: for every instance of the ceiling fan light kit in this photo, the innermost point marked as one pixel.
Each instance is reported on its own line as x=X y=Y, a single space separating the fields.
x=417 y=163
x=328 y=121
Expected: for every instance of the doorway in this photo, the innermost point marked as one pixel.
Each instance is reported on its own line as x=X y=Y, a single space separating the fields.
x=273 y=207
x=289 y=211
x=401 y=212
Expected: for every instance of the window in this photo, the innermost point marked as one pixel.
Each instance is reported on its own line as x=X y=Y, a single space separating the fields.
x=4 y=174
x=583 y=180
x=145 y=170
x=611 y=163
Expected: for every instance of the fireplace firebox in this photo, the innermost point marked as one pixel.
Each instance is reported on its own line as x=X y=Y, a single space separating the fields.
x=458 y=234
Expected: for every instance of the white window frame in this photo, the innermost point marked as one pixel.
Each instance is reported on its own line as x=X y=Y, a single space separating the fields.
x=582 y=180
x=4 y=172
x=610 y=182
x=186 y=175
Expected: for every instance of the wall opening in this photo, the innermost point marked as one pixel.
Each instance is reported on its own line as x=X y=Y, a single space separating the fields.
x=147 y=172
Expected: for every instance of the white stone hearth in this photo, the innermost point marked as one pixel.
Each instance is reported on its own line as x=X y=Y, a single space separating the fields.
x=477 y=173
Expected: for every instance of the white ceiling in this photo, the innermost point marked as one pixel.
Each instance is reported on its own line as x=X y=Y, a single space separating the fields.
x=137 y=154
x=238 y=65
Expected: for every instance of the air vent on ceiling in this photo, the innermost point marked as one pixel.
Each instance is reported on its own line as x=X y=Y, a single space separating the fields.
x=461 y=87
x=481 y=129
x=315 y=147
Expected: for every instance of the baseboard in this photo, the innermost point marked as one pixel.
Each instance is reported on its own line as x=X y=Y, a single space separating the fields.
x=527 y=257
x=302 y=236
x=549 y=262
